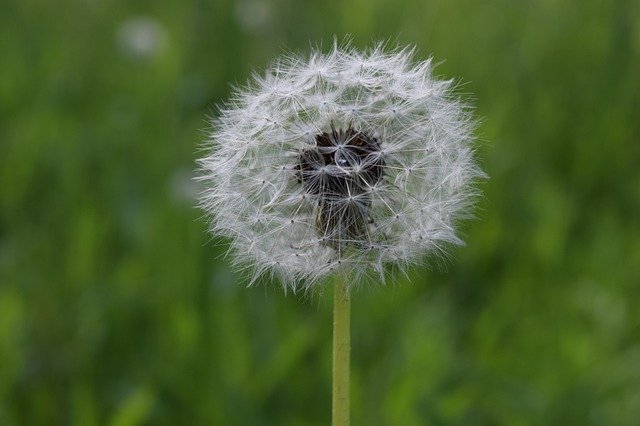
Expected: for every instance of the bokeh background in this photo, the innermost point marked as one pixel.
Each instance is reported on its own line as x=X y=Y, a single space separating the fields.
x=116 y=308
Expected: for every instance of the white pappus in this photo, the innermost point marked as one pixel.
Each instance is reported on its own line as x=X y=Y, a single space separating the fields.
x=341 y=160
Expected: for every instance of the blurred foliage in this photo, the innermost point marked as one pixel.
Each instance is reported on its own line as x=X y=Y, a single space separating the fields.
x=117 y=309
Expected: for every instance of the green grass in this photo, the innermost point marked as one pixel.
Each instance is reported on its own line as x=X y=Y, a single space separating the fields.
x=116 y=308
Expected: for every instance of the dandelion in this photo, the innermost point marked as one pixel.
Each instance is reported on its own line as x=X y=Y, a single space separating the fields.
x=341 y=163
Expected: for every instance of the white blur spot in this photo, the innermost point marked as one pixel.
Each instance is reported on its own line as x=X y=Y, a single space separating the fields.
x=254 y=16
x=142 y=37
x=183 y=189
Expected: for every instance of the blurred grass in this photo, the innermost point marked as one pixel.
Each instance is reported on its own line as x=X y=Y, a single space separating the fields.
x=116 y=309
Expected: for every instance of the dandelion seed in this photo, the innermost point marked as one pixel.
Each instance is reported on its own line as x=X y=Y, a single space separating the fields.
x=340 y=161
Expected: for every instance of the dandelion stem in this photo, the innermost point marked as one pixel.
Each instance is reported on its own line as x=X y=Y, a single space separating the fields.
x=341 y=352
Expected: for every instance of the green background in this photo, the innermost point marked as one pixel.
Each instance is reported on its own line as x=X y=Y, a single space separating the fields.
x=116 y=307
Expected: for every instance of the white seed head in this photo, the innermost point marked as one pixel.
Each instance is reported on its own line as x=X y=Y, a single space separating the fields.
x=344 y=160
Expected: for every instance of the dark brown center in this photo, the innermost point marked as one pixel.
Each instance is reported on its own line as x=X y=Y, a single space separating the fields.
x=338 y=171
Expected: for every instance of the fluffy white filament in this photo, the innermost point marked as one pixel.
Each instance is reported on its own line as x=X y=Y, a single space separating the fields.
x=285 y=217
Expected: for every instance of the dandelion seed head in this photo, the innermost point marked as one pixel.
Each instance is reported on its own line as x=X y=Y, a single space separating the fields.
x=343 y=160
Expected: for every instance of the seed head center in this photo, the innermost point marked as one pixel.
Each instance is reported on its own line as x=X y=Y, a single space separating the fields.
x=342 y=196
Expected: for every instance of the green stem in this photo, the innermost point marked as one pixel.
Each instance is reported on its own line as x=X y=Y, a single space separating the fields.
x=341 y=351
